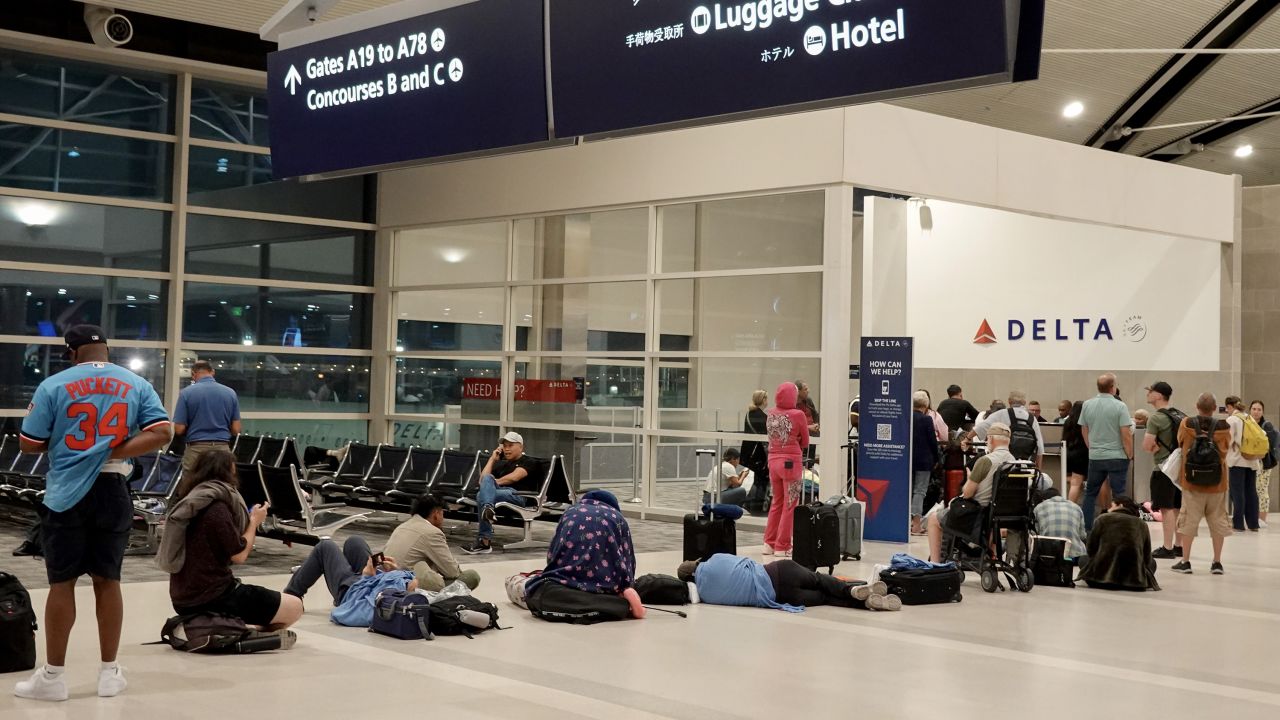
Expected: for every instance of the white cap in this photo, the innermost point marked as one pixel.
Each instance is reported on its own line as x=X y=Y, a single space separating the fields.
x=513 y=437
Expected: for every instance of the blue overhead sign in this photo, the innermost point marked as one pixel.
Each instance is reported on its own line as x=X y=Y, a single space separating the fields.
x=467 y=79
x=626 y=64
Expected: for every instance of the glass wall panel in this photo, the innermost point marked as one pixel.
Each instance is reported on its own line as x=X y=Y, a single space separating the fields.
x=717 y=391
x=612 y=391
x=765 y=313
x=436 y=386
x=681 y=475
x=450 y=319
x=229 y=114
x=424 y=433
x=311 y=431
x=243 y=181
x=66 y=233
x=276 y=251
x=583 y=245
x=47 y=304
x=39 y=158
x=268 y=382
x=448 y=255
x=582 y=317
x=54 y=88
x=743 y=233
x=244 y=314
x=24 y=367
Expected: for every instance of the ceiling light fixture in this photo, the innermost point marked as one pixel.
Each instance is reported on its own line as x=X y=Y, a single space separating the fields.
x=36 y=214
x=1074 y=109
x=1244 y=151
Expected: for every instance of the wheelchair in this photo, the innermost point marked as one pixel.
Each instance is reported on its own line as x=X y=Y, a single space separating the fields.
x=984 y=550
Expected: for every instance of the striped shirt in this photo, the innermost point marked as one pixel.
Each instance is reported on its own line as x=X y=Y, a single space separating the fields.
x=1059 y=517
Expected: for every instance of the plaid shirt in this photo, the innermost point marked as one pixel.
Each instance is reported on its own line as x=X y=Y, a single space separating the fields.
x=1061 y=518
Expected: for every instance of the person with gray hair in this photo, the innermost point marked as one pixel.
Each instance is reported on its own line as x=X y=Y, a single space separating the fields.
x=924 y=456
x=981 y=483
x=1106 y=426
x=1015 y=415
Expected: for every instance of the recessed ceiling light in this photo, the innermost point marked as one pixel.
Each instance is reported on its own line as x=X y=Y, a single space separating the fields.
x=1244 y=151
x=1073 y=109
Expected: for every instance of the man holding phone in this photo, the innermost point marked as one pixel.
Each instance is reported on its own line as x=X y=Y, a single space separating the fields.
x=507 y=472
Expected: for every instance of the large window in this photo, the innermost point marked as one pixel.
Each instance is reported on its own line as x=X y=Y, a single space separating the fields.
x=58 y=89
x=249 y=315
x=24 y=367
x=66 y=233
x=275 y=250
x=302 y=384
x=43 y=158
x=47 y=304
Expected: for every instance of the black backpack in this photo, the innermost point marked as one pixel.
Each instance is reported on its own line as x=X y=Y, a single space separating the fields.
x=1176 y=417
x=1203 y=463
x=17 y=626
x=447 y=616
x=214 y=633
x=1270 y=460
x=655 y=589
x=1022 y=436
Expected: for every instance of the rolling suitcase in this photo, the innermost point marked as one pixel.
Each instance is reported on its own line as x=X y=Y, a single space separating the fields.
x=815 y=538
x=925 y=587
x=852 y=514
x=707 y=536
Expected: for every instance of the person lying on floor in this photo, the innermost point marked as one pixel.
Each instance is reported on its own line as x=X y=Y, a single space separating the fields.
x=781 y=585
x=354 y=577
x=206 y=532
x=591 y=566
x=417 y=543
x=1119 y=551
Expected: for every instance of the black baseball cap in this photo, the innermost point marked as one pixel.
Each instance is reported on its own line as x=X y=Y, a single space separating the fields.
x=1163 y=388
x=80 y=335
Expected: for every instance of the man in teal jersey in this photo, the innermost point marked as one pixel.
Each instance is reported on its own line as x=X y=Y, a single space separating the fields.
x=90 y=419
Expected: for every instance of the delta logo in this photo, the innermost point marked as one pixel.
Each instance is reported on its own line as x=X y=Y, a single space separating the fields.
x=1062 y=330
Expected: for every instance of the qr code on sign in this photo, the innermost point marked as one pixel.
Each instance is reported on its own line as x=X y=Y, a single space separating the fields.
x=884 y=432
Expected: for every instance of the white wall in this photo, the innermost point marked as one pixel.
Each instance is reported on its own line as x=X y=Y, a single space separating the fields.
x=1158 y=295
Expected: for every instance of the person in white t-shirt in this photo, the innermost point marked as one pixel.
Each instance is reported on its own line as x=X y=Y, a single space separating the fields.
x=730 y=475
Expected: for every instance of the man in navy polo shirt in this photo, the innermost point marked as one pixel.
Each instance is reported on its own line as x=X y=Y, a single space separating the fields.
x=208 y=414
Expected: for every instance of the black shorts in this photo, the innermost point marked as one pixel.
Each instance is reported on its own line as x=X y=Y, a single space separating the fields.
x=91 y=537
x=252 y=604
x=1078 y=465
x=1164 y=494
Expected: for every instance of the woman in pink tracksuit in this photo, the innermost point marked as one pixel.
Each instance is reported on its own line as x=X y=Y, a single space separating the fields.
x=788 y=438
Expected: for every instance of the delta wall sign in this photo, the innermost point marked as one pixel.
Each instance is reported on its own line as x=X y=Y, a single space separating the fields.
x=1133 y=328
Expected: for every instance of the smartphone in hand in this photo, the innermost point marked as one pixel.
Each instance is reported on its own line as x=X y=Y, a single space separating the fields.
x=378 y=559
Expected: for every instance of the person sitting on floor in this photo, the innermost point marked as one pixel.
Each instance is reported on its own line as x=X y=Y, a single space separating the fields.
x=507 y=472
x=591 y=565
x=420 y=545
x=1119 y=550
x=781 y=585
x=206 y=532
x=1058 y=517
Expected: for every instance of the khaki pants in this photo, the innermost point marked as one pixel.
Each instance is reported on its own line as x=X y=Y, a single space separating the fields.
x=193 y=453
x=432 y=581
x=1211 y=507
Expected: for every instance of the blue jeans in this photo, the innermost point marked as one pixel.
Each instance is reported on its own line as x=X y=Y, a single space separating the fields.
x=490 y=494
x=1114 y=471
x=920 y=480
x=1244 y=497
x=339 y=568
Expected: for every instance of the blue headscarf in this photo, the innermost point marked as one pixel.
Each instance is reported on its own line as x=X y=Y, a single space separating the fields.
x=592 y=548
x=733 y=580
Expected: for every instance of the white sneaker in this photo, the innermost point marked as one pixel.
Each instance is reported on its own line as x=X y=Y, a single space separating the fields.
x=111 y=682
x=1262 y=524
x=42 y=686
x=768 y=550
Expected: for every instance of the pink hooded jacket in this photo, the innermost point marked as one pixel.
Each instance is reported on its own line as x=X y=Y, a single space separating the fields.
x=787 y=426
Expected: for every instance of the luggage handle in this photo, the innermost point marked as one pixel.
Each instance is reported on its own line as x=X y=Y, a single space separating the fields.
x=716 y=454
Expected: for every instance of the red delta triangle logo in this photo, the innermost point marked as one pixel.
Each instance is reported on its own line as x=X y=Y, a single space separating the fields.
x=872 y=493
x=985 y=335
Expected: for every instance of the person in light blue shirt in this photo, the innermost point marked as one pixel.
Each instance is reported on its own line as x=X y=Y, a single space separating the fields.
x=90 y=419
x=207 y=414
x=1107 y=428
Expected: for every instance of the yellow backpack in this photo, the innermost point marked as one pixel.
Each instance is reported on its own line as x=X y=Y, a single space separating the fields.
x=1253 y=441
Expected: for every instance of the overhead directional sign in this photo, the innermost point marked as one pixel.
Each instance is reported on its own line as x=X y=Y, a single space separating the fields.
x=467 y=79
x=626 y=64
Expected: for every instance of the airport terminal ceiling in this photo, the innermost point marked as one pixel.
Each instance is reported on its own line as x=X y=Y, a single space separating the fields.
x=1110 y=86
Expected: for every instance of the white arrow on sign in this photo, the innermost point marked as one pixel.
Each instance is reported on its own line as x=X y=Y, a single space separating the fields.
x=292 y=80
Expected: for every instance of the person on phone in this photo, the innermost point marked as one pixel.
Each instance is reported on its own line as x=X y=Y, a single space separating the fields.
x=207 y=531
x=729 y=476
x=507 y=472
x=90 y=419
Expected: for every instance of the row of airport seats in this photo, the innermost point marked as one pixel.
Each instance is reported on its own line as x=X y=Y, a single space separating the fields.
x=387 y=478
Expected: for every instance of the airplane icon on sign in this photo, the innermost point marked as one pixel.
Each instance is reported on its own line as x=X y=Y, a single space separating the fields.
x=292 y=80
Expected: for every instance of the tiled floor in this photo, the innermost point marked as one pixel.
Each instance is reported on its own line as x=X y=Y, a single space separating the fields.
x=1204 y=647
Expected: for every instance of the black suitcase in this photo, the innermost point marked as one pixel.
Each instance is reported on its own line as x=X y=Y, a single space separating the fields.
x=816 y=536
x=703 y=536
x=925 y=587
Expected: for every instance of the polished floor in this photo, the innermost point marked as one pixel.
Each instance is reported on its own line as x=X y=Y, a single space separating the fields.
x=1204 y=647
